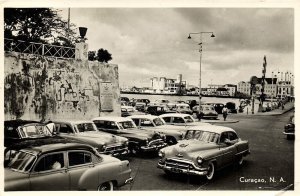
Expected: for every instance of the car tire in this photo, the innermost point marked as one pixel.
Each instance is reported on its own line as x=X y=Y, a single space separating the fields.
x=171 y=141
x=211 y=171
x=107 y=186
x=134 y=149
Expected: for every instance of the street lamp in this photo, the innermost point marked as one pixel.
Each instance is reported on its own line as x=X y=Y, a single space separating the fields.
x=200 y=51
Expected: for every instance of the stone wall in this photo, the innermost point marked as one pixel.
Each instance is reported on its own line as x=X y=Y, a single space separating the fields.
x=46 y=88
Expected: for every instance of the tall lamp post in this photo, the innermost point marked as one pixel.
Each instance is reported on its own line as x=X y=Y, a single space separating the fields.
x=200 y=51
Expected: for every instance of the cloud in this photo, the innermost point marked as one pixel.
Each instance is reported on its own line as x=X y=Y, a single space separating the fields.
x=149 y=42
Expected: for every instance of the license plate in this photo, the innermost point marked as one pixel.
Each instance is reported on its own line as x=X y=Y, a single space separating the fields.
x=176 y=170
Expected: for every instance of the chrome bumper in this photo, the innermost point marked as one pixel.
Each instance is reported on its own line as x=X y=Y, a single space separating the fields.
x=182 y=171
x=288 y=133
x=129 y=180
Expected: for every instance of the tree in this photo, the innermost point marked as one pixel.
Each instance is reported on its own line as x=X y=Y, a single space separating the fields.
x=37 y=25
x=92 y=55
x=103 y=56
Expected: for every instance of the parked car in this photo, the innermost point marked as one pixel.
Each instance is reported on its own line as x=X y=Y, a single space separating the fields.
x=289 y=128
x=140 y=106
x=204 y=150
x=206 y=111
x=139 y=140
x=158 y=110
x=64 y=166
x=86 y=132
x=266 y=107
x=181 y=119
x=125 y=99
x=155 y=123
x=231 y=107
x=146 y=101
x=16 y=131
x=183 y=108
x=219 y=107
x=191 y=103
x=126 y=110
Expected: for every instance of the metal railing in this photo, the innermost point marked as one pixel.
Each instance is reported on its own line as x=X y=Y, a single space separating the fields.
x=38 y=49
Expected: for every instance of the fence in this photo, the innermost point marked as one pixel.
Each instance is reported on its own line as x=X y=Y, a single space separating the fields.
x=38 y=49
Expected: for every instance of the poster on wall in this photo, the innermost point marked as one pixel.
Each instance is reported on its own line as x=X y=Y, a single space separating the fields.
x=106 y=97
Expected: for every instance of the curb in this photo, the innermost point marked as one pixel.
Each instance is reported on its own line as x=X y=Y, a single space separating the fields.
x=222 y=122
x=276 y=114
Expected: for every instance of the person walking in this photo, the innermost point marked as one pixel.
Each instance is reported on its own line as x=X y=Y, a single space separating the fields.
x=225 y=112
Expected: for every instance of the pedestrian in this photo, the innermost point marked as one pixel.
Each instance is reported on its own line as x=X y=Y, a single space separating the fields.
x=224 y=112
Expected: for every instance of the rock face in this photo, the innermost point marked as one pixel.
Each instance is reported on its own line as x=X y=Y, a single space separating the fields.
x=46 y=88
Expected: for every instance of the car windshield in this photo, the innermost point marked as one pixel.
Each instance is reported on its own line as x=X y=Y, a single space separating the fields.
x=21 y=161
x=84 y=127
x=202 y=136
x=126 y=125
x=188 y=119
x=37 y=130
x=158 y=121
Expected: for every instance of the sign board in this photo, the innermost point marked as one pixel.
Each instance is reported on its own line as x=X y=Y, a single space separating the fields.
x=106 y=96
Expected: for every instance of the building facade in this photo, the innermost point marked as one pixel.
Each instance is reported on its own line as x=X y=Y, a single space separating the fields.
x=163 y=85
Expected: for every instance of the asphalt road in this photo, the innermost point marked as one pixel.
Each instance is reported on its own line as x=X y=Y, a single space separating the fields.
x=271 y=159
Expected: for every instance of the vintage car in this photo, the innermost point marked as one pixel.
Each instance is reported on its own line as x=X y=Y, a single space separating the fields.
x=158 y=110
x=155 y=123
x=289 y=128
x=62 y=167
x=206 y=111
x=16 y=131
x=204 y=150
x=86 y=132
x=140 y=106
x=231 y=107
x=181 y=120
x=183 y=108
x=139 y=140
x=219 y=107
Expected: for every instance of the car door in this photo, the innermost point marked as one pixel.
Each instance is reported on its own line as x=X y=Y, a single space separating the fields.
x=50 y=173
x=228 y=150
x=78 y=163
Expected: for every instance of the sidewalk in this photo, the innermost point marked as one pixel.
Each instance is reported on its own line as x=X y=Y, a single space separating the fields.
x=287 y=107
x=220 y=121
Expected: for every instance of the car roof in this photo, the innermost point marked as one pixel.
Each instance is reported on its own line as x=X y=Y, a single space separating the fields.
x=212 y=128
x=58 y=147
x=72 y=121
x=182 y=104
x=174 y=114
x=112 y=118
x=149 y=116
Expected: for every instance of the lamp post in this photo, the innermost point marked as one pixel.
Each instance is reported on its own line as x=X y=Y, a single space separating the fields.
x=200 y=51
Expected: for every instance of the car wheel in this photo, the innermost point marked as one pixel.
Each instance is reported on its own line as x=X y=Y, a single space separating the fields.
x=135 y=149
x=211 y=171
x=171 y=141
x=107 y=186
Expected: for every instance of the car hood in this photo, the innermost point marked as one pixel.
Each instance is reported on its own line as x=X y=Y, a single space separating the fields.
x=13 y=175
x=188 y=149
x=171 y=129
x=140 y=134
x=101 y=138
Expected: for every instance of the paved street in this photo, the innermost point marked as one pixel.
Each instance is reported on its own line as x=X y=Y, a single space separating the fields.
x=271 y=159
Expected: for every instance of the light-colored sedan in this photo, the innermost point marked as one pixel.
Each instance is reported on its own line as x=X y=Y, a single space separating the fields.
x=62 y=167
x=204 y=150
x=181 y=120
x=155 y=123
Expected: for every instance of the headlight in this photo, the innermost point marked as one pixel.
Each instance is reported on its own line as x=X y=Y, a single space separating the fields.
x=199 y=160
x=161 y=154
x=103 y=147
x=125 y=143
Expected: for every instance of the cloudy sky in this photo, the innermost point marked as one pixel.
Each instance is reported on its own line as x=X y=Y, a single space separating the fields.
x=152 y=42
